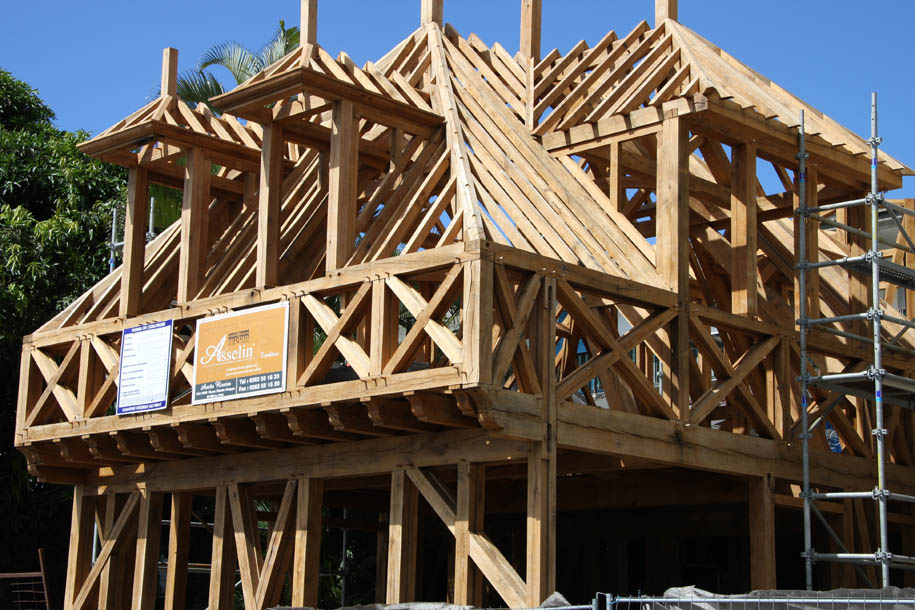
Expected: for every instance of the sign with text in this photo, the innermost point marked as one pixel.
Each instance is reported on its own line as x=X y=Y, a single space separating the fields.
x=241 y=354
x=146 y=358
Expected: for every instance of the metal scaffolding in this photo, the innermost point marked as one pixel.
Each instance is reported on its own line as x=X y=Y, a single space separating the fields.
x=875 y=383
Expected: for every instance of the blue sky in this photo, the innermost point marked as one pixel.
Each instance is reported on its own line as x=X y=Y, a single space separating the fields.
x=96 y=62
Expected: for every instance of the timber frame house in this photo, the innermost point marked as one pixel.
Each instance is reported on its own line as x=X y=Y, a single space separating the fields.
x=558 y=230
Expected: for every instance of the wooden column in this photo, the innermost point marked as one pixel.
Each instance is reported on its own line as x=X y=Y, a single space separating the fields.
x=169 y=85
x=179 y=544
x=531 y=17
x=307 y=554
x=615 y=174
x=342 y=176
x=402 y=530
x=111 y=578
x=477 y=321
x=268 y=206
x=471 y=489
x=194 y=212
x=761 y=502
x=135 y=221
x=79 y=559
x=672 y=246
x=146 y=568
x=664 y=9
x=812 y=236
x=384 y=327
x=222 y=562
x=744 y=271
x=432 y=11
x=308 y=28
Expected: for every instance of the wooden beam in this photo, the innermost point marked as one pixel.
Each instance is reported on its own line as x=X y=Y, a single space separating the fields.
x=135 y=221
x=268 y=207
x=307 y=559
x=672 y=248
x=80 y=554
x=664 y=9
x=169 y=85
x=146 y=568
x=194 y=208
x=402 y=539
x=222 y=561
x=471 y=489
x=179 y=544
x=761 y=500
x=343 y=186
x=308 y=28
x=541 y=529
x=432 y=11
x=744 y=270
x=531 y=17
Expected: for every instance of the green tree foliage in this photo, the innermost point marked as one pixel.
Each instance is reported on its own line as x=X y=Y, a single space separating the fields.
x=55 y=210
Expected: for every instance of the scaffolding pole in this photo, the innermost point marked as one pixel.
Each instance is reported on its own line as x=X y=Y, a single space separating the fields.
x=871 y=264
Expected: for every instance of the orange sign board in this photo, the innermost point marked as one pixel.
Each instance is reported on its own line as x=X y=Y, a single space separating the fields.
x=241 y=354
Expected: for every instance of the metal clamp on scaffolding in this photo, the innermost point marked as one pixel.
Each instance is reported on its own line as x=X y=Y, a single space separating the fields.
x=869 y=383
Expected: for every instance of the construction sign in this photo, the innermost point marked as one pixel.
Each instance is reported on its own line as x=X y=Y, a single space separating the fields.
x=241 y=354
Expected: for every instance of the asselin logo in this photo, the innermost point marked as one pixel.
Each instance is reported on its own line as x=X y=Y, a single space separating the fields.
x=219 y=353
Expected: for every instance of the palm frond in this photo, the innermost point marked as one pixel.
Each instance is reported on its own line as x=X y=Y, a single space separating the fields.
x=282 y=43
x=236 y=58
x=198 y=87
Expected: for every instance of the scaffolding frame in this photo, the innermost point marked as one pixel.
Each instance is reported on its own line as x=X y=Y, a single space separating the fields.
x=873 y=264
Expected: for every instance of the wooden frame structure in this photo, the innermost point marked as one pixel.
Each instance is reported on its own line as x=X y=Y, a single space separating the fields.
x=501 y=254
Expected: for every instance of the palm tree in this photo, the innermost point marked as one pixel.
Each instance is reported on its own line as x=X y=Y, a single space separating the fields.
x=199 y=85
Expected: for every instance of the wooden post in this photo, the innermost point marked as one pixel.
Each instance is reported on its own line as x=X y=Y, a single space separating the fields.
x=615 y=174
x=146 y=568
x=342 y=175
x=672 y=246
x=531 y=17
x=477 y=321
x=402 y=539
x=744 y=270
x=222 y=562
x=762 y=532
x=80 y=555
x=308 y=29
x=432 y=11
x=664 y=9
x=540 y=528
x=179 y=543
x=307 y=558
x=169 y=84
x=471 y=488
x=268 y=208
x=194 y=208
x=135 y=221
x=383 y=329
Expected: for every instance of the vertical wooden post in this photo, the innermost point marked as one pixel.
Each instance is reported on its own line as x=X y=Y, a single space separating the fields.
x=664 y=9
x=432 y=11
x=194 y=212
x=743 y=230
x=307 y=557
x=268 y=206
x=179 y=544
x=308 y=28
x=112 y=576
x=616 y=190
x=761 y=500
x=531 y=18
x=169 y=85
x=247 y=541
x=402 y=539
x=146 y=568
x=541 y=467
x=222 y=562
x=135 y=221
x=477 y=321
x=383 y=329
x=672 y=246
x=471 y=487
x=79 y=558
x=342 y=176
x=381 y=559
x=88 y=377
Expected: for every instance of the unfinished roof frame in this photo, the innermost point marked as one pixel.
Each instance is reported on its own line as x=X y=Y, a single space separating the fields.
x=517 y=207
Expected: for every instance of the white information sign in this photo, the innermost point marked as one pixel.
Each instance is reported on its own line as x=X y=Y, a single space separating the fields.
x=145 y=368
